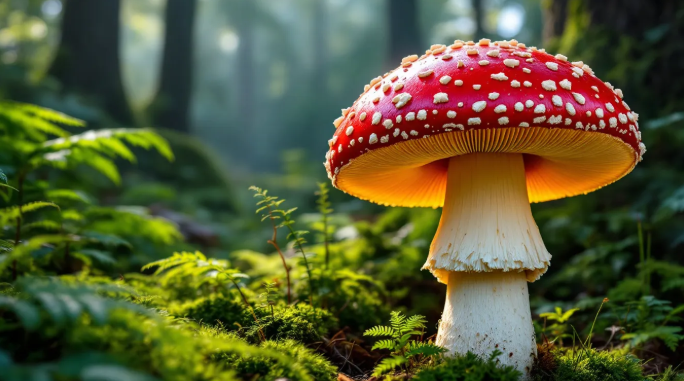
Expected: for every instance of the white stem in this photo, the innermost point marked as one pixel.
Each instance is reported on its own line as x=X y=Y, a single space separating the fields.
x=489 y=311
x=486 y=248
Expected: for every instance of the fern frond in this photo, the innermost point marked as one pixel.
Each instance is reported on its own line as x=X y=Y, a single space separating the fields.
x=388 y=364
x=384 y=344
x=13 y=212
x=379 y=330
x=422 y=348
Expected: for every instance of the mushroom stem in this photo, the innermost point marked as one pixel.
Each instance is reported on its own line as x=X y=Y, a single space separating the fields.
x=487 y=240
x=485 y=312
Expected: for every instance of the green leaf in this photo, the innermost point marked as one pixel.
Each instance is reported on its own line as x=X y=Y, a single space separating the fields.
x=388 y=364
x=379 y=331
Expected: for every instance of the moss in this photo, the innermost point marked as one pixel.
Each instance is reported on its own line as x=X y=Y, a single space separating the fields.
x=300 y=322
x=214 y=309
x=591 y=365
x=303 y=363
x=468 y=368
x=150 y=346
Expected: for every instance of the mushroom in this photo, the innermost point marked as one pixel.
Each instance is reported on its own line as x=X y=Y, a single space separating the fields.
x=483 y=129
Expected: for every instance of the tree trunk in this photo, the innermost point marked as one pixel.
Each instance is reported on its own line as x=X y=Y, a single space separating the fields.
x=245 y=65
x=171 y=106
x=555 y=14
x=87 y=60
x=478 y=14
x=404 y=31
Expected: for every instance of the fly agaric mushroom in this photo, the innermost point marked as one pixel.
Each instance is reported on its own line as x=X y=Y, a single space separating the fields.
x=483 y=129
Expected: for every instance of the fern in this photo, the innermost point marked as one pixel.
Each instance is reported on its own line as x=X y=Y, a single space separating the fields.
x=388 y=364
x=14 y=212
x=402 y=348
x=325 y=209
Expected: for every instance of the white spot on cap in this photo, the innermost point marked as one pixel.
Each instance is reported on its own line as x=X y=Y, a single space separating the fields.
x=613 y=122
x=500 y=108
x=623 y=118
x=579 y=72
x=483 y=63
x=460 y=104
x=361 y=139
x=579 y=126
x=413 y=133
x=411 y=116
x=424 y=74
x=384 y=139
x=529 y=103
x=527 y=84
x=568 y=121
x=511 y=62
x=588 y=113
x=440 y=98
x=552 y=65
x=404 y=135
x=398 y=119
x=503 y=120
x=540 y=109
x=396 y=132
x=555 y=119
x=349 y=131
x=565 y=84
x=499 y=77
x=388 y=124
x=451 y=114
x=372 y=139
x=386 y=87
x=524 y=124
x=599 y=112
x=602 y=124
x=339 y=148
x=401 y=100
x=609 y=107
x=549 y=85
x=479 y=106
x=570 y=109
x=477 y=87
x=619 y=93
x=445 y=80
x=474 y=121
x=362 y=117
x=377 y=116
x=448 y=125
x=434 y=112
x=518 y=106
x=422 y=115
x=458 y=82
x=539 y=119
x=526 y=70
x=493 y=96
x=515 y=83
x=557 y=101
x=578 y=98
x=398 y=86
x=561 y=57
x=493 y=53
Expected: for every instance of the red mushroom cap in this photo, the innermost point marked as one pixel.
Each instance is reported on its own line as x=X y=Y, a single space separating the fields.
x=574 y=130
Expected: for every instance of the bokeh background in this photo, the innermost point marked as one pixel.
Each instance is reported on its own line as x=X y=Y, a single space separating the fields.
x=246 y=92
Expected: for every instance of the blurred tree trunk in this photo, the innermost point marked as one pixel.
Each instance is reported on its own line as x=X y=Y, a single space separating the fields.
x=87 y=60
x=171 y=105
x=404 y=31
x=244 y=24
x=478 y=15
x=555 y=14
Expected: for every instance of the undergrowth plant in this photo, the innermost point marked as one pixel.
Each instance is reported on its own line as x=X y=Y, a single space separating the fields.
x=406 y=353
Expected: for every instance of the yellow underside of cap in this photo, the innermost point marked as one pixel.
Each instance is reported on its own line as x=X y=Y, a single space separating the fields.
x=558 y=163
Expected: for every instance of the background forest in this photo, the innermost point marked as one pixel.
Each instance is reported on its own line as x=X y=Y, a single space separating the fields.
x=132 y=130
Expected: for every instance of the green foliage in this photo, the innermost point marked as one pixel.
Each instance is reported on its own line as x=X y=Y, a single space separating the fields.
x=300 y=322
x=468 y=367
x=593 y=365
x=649 y=318
x=214 y=309
x=558 y=329
x=405 y=352
x=303 y=363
